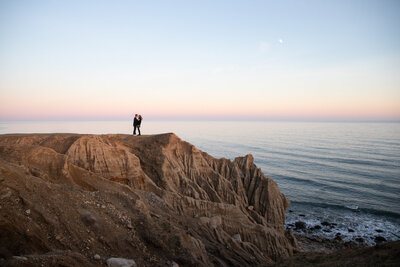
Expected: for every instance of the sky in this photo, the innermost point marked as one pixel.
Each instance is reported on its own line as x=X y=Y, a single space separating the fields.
x=278 y=60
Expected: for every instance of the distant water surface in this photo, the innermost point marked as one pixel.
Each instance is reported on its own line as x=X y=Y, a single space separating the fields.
x=345 y=173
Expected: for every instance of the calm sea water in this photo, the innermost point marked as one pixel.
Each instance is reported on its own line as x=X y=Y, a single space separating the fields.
x=343 y=173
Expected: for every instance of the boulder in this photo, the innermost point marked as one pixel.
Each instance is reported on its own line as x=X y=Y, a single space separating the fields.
x=22 y=258
x=237 y=237
x=360 y=240
x=325 y=223
x=379 y=239
x=120 y=262
x=87 y=217
x=338 y=238
x=215 y=221
x=300 y=225
x=315 y=227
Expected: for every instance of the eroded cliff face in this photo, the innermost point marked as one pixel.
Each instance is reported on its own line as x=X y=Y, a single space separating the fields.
x=156 y=199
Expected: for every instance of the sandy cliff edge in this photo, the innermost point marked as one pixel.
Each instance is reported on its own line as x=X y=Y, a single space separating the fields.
x=155 y=199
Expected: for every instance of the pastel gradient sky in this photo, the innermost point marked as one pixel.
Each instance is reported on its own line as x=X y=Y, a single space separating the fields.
x=200 y=59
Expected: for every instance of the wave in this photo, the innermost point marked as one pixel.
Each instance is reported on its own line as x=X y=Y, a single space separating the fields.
x=384 y=213
x=351 y=182
x=324 y=160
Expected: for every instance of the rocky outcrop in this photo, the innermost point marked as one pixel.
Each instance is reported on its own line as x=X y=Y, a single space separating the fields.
x=156 y=199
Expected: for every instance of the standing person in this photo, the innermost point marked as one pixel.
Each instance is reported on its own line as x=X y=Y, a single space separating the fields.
x=135 y=124
x=140 y=118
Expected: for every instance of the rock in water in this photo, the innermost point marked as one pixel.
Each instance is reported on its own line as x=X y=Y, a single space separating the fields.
x=379 y=239
x=120 y=262
x=300 y=225
x=360 y=239
x=149 y=198
x=325 y=223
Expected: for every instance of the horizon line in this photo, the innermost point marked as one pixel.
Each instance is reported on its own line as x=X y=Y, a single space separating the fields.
x=241 y=119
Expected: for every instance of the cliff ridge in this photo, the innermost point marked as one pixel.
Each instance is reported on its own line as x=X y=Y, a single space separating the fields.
x=156 y=199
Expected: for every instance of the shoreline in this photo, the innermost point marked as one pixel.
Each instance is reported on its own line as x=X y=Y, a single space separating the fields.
x=357 y=226
x=319 y=244
x=316 y=233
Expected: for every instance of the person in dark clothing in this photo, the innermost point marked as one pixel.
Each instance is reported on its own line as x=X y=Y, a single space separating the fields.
x=139 y=123
x=136 y=123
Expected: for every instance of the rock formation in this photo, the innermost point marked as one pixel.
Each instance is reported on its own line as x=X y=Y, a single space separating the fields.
x=155 y=199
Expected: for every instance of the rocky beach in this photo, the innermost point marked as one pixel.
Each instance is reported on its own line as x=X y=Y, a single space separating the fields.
x=155 y=200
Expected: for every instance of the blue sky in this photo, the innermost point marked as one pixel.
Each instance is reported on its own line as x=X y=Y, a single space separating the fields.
x=259 y=59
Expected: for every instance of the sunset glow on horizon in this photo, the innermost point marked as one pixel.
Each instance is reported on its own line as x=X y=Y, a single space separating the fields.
x=200 y=60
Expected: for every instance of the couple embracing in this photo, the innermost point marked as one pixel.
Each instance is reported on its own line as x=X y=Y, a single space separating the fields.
x=136 y=123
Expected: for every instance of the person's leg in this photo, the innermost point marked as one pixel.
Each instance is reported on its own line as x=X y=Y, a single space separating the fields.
x=138 y=128
x=134 y=129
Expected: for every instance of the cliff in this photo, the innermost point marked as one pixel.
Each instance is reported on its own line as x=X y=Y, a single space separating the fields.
x=155 y=199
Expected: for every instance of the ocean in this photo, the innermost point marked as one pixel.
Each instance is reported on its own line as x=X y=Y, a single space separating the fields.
x=344 y=173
